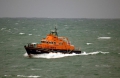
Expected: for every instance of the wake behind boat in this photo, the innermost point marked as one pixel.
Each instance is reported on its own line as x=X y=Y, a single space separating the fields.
x=52 y=43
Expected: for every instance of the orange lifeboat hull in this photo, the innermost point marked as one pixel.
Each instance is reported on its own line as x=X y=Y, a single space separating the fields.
x=52 y=43
x=32 y=50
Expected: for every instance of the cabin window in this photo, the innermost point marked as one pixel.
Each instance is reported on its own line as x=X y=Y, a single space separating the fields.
x=60 y=43
x=54 y=42
x=43 y=41
x=50 y=42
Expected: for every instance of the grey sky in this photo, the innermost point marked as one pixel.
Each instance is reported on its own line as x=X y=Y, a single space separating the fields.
x=60 y=8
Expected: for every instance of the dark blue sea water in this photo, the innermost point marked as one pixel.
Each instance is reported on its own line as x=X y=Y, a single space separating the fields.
x=99 y=40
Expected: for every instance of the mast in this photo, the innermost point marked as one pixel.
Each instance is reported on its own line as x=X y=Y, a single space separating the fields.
x=56 y=31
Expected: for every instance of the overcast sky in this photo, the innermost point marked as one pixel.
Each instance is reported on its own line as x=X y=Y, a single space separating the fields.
x=60 y=8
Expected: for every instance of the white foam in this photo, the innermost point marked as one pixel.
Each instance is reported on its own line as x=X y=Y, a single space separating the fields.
x=29 y=34
x=104 y=52
x=36 y=69
x=60 y=55
x=104 y=37
x=92 y=53
x=88 y=43
x=7 y=75
x=102 y=65
x=31 y=76
x=21 y=33
x=25 y=55
x=3 y=28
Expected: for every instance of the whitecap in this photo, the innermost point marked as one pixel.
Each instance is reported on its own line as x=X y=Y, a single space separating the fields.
x=29 y=34
x=104 y=37
x=31 y=76
x=102 y=65
x=7 y=75
x=21 y=33
x=3 y=28
x=88 y=43
x=35 y=69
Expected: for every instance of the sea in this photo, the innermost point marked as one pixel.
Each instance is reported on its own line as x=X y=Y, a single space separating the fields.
x=98 y=39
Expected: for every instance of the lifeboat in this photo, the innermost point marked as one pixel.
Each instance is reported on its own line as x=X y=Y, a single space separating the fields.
x=52 y=43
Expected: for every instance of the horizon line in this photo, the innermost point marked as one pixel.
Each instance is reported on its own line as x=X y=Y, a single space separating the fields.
x=59 y=18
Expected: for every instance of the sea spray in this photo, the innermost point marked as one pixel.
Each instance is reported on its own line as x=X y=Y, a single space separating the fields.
x=61 y=55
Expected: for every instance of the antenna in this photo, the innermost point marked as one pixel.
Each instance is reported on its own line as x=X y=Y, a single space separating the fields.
x=56 y=30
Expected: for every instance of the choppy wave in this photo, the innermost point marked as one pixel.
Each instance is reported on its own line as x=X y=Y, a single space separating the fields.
x=3 y=28
x=102 y=65
x=21 y=33
x=31 y=76
x=60 y=55
x=104 y=37
x=35 y=69
x=29 y=34
x=89 y=43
